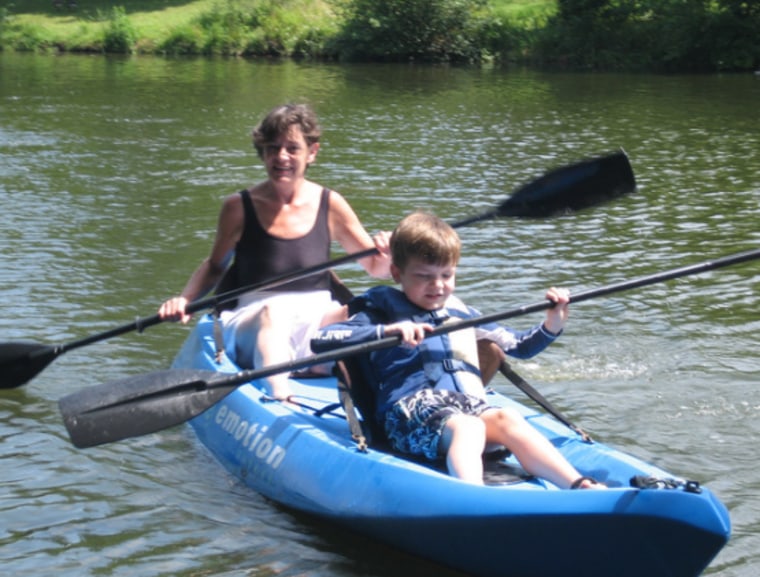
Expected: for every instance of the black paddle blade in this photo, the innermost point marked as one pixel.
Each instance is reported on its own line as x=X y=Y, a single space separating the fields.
x=139 y=405
x=572 y=188
x=21 y=362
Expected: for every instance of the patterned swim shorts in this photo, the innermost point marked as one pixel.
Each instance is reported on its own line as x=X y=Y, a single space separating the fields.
x=414 y=424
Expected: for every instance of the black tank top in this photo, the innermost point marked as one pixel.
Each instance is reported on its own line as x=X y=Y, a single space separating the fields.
x=259 y=256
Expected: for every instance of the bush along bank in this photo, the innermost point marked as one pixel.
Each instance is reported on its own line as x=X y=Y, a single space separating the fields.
x=651 y=35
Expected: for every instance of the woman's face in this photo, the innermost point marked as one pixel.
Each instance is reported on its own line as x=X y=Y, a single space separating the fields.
x=288 y=157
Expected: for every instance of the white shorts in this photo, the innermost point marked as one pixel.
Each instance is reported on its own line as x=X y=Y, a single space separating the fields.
x=302 y=312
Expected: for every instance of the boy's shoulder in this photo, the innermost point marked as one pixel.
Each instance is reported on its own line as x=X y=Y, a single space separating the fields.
x=388 y=298
x=383 y=304
x=379 y=297
x=381 y=290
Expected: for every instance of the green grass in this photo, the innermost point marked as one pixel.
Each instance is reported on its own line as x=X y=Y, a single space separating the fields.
x=151 y=16
x=154 y=25
x=38 y=24
x=525 y=13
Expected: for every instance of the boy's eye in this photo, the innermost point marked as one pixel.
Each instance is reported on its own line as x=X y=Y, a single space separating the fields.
x=274 y=149
x=429 y=277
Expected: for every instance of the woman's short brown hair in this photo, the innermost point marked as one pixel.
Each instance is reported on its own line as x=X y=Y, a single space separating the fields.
x=279 y=120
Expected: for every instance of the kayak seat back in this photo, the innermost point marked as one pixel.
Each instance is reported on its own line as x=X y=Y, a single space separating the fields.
x=359 y=404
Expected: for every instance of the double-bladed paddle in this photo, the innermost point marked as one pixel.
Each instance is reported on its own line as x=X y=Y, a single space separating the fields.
x=148 y=403
x=562 y=190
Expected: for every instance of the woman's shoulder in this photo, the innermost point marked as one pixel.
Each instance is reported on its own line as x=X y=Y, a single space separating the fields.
x=343 y=219
x=232 y=212
x=234 y=200
x=336 y=199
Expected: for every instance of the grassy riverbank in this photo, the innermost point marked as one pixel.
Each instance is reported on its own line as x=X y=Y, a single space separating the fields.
x=653 y=35
x=233 y=27
x=140 y=26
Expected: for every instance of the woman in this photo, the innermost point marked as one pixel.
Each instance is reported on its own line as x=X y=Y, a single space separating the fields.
x=283 y=224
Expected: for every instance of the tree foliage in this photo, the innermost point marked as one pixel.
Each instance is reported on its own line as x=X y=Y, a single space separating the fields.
x=427 y=30
x=661 y=35
x=652 y=35
x=119 y=35
x=666 y=35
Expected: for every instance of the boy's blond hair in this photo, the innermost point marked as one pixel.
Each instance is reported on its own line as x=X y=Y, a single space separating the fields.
x=426 y=237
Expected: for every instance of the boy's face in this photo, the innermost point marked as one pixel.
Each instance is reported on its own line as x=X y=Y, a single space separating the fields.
x=426 y=285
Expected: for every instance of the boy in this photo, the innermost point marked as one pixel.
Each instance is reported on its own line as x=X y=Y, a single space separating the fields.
x=429 y=395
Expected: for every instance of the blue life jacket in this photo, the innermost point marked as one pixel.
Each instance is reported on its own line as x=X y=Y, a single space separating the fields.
x=448 y=361
x=399 y=371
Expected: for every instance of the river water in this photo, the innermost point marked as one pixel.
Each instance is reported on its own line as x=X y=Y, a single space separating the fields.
x=111 y=177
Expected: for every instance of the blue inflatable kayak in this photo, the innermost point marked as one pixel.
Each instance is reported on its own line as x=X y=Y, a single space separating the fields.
x=305 y=458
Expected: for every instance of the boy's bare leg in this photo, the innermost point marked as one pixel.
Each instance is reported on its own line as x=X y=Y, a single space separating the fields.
x=534 y=451
x=463 y=440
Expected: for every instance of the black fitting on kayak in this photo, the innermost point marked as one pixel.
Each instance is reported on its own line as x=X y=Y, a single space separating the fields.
x=644 y=482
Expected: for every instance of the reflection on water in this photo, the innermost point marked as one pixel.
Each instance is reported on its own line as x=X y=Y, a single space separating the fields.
x=111 y=175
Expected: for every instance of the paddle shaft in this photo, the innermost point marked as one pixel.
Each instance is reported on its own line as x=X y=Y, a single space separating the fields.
x=363 y=348
x=572 y=187
x=562 y=190
x=152 y=402
x=141 y=324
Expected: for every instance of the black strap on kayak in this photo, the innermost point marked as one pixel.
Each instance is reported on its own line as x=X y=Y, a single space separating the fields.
x=506 y=370
x=218 y=337
x=342 y=371
x=347 y=402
